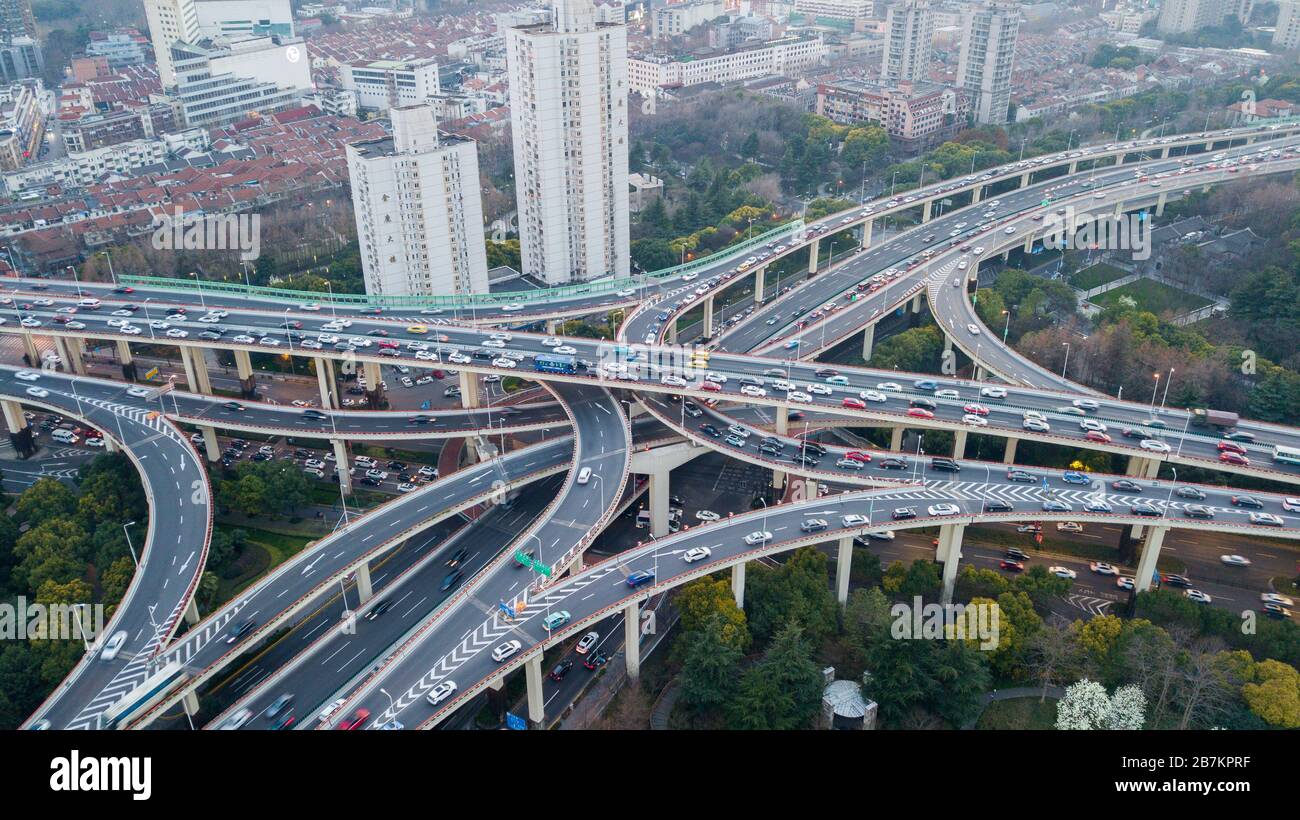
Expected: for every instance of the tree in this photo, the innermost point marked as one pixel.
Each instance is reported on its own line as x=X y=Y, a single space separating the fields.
x=749 y=150
x=1051 y=656
x=700 y=602
x=782 y=691
x=1087 y=706
x=1274 y=694
x=47 y=498
x=796 y=591
x=710 y=666
x=1127 y=709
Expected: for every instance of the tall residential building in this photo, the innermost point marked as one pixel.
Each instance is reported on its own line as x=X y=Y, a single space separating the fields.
x=568 y=109
x=909 y=28
x=419 y=215
x=383 y=84
x=170 y=21
x=988 y=48
x=1287 y=34
x=16 y=19
x=1186 y=16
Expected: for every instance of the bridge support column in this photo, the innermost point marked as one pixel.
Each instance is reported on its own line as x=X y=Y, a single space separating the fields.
x=868 y=342
x=1119 y=209
x=672 y=332
x=329 y=399
x=1006 y=255
x=468 y=390
x=708 y=317
x=947 y=344
x=632 y=640
x=1029 y=243
x=20 y=434
x=73 y=352
x=843 y=568
x=191 y=613
x=1024 y=179
x=533 y=676
x=1009 y=452
x=248 y=385
x=783 y=430
x=29 y=349
x=364 y=588
x=738 y=583
x=196 y=370
x=896 y=438
x=659 y=494
x=210 y=446
x=916 y=302
x=951 y=558
x=809 y=488
x=61 y=348
x=1164 y=152
x=1074 y=168
x=374 y=386
x=866 y=232
x=553 y=326
x=342 y=465
x=1155 y=538
x=1160 y=203
x=959 y=443
x=760 y=281
x=111 y=445
x=975 y=194
x=812 y=255
x=925 y=211
x=127 y=361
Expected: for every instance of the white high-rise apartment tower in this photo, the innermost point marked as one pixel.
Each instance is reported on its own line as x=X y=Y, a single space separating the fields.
x=988 y=49
x=170 y=21
x=909 y=29
x=1287 y=33
x=418 y=209
x=568 y=109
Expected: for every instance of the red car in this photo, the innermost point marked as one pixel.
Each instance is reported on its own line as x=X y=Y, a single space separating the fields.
x=976 y=409
x=712 y=387
x=856 y=404
x=922 y=413
x=1014 y=566
x=354 y=722
x=1231 y=447
x=865 y=458
x=1229 y=457
x=1100 y=438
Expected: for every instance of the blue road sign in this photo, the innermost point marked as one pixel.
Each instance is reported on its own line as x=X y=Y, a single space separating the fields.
x=513 y=721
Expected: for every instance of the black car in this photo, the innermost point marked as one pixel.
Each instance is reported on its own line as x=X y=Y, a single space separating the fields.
x=1239 y=435
x=379 y=609
x=804 y=460
x=769 y=449
x=925 y=403
x=1198 y=511
x=561 y=669
x=1176 y=581
x=233 y=406
x=1247 y=501
x=314 y=415
x=421 y=419
x=947 y=465
x=356 y=391
x=1191 y=492
x=997 y=506
x=813 y=447
x=372 y=482
x=458 y=556
x=752 y=380
x=892 y=463
x=210 y=335
x=1135 y=432
x=482 y=354
x=904 y=512
x=1143 y=508
x=709 y=429
x=595 y=660
x=826 y=372
x=1022 y=476
x=1016 y=554
x=451 y=580
x=813 y=525
x=1126 y=485
x=397 y=465
x=240 y=631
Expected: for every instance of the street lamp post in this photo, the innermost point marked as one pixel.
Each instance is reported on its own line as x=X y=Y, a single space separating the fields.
x=1006 y=328
x=1155 y=388
x=1165 y=395
x=198 y=280
x=129 y=545
x=1067 y=359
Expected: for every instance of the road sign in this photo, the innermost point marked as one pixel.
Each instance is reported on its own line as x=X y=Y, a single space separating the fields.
x=527 y=560
x=153 y=371
x=513 y=721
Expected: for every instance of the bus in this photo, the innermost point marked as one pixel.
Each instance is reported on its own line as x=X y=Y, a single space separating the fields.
x=550 y=363
x=144 y=697
x=1286 y=455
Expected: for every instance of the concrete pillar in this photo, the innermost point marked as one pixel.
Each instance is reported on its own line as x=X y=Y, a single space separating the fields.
x=111 y=445
x=1119 y=209
x=553 y=326
x=61 y=348
x=1151 y=468
x=1150 y=554
x=1024 y=179
x=329 y=399
x=809 y=488
x=632 y=640
x=708 y=317
x=1009 y=453
x=77 y=347
x=1074 y=168
x=196 y=370
x=738 y=583
x=1160 y=203
x=375 y=382
x=896 y=438
x=29 y=348
x=812 y=256
x=20 y=435
x=468 y=390
x=868 y=342
x=210 y=446
x=782 y=429
x=916 y=302
x=1029 y=242
x=659 y=503
x=951 y=559
x=364 y=589
x=127 y=361
x=947 y=343
x=471 y=450
x=191 y=612
x=760 y=281
x=843 y=567
x=536 y=704
x=1164 y=152
x=866 y=232
x=248 y=384
x=958 y=443
x=925 y=211
x=672 y=331
x=1006 y=255
x=975 y=194
x=342 y=464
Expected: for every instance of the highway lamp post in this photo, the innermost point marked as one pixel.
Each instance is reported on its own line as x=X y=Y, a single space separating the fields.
x=1067 y=360
x=1155 y=389
x=343 y=590
x=1007 y=328
x=76 y=279
x=392 y=704
x=862 y=194
x=338 y=467
x=198 y=280
x=148 y=320
x=1165 y=395
x=918 y=472
x=76 y=608
x=334 y=311
x=1022 y=148
x=1183 y=436
x=129 y=545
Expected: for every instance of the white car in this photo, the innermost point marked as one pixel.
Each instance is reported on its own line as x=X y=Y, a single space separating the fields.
x=1274 y=598
x=1154 y=445
x=1063 y=572
x=177 y=333
x=751 y=390
x=138 y=392
x=566 y=350
x=441 y=692
x=131 y=330
x=973 y=329
x=943 y=509
x=209 y=319
x=237 y=720
x=1092 y=425
x=625 y=293
x=758 y=537
x=1102 y=568
x=947 y=394
x=1291 y=504
x=118 y=323
x=974 y=420
x=854 y=520
x=30 y=322
x=1086 y=404
x=673 y=381
x=503 y=362
x=819 y=389
x=893 y=387
x=1235 y=560
x=245 y=339
x=498 y=343
x=707 y=515
x=798 y=395
x=38 y=392
x=716 y=378
x=1198 y=596
x=269 y=341
x=551 y=341
x=993 y=392
x=696 y=554
x=114 y=646
x=873 y=395
x=1036 y=425
x=27 y=375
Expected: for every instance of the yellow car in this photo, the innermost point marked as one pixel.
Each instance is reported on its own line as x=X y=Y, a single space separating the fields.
x=417 y=329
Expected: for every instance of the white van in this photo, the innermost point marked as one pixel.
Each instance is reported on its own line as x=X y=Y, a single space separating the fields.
x=89 y=303
x=642 y=519
x=584 y=475
x=64 y=436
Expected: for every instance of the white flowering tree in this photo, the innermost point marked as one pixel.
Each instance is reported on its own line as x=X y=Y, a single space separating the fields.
x=1087 y=706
